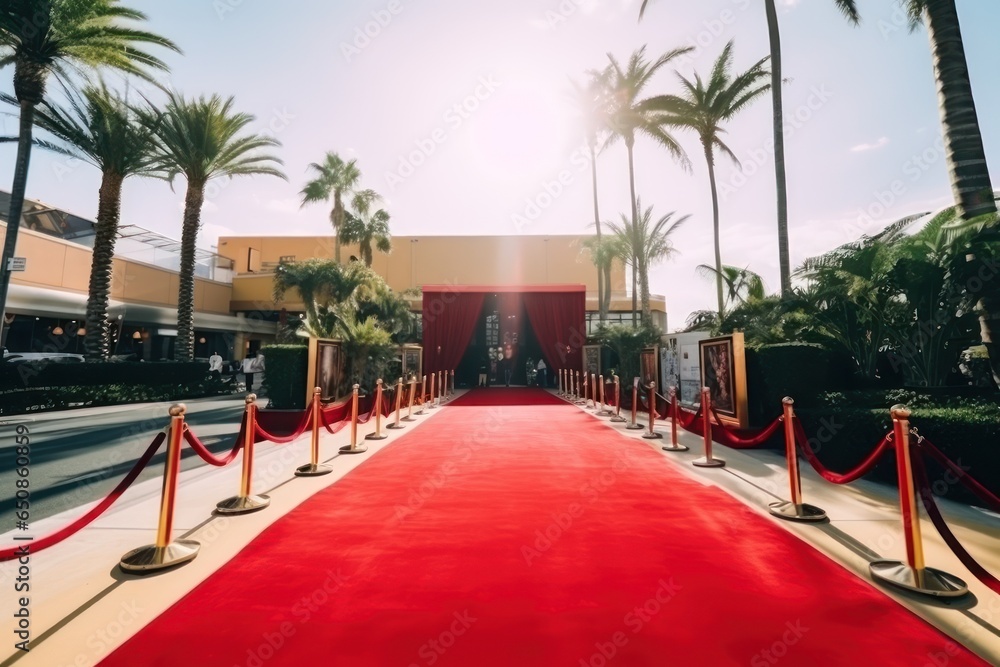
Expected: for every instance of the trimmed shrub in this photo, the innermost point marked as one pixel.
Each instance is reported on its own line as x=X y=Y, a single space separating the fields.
x=35 y=374
x=286 y=368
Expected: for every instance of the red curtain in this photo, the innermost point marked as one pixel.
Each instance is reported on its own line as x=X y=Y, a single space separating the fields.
x=450 y=319
x=559 y=322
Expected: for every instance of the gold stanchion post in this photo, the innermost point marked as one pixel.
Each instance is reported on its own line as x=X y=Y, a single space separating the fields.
x=618 y=402
x=583 y=390
x=354 y=447
x=399 y=406
x=634 y=425
x=313 y=468
x=246 y=502
x=409 y=407
x=707 y=461
x=165 y=552
x=453 y=382
x=423 y=396
x=675 y=445
x=604 y=410
x=593 y=390
x=913 y=575
x=651 y=433
x=378 y=434
x=795 y=510
x=430 y=403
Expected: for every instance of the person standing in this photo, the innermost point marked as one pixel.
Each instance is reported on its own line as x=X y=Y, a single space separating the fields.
x=542 y=373
x=249 y=363
x=215 y=364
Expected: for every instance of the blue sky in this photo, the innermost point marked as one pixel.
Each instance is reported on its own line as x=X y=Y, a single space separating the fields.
x=457 y=114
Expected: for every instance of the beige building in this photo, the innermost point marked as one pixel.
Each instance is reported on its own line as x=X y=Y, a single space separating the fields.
x=433 y=260
x=234 y=307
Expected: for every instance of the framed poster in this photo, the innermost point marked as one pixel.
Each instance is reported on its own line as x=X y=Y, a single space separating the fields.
x=723 y=371
x=326 y=369
x=413 y=361
x=648 y=359
x=592 y=359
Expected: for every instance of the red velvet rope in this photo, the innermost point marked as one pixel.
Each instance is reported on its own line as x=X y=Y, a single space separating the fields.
x=971 y=484
x=337 y=425
x=691 y=423
x=34 y=546
x=645 y=407
x=285 y=439
x=839 y=478
x=934 y=513
x=729 y=439
x=199 y=447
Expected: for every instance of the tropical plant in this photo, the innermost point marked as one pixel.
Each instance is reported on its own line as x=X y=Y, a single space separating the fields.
x=367 y=227
x=628 y=115
x=703 y=107
x=43 y=37
x=849 y=9
x=628 y=343
x=334 y=179
x=591 y=102
x=202 y=139
x=647 y=242
x=742 y=285
x=100 y=128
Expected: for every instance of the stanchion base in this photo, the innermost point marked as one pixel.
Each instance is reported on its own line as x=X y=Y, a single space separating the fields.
x=675 y=448
x=606 y=413
x=705 y=462
x=618 y=420
x=242 y=504
x=152 y=557
x=396 y=427
x=407 y=419
x=655 y=435
x=635 y=427
x=310 y=470
x=803 y=512
x=928 y=581
x=357 y=449
x=376 y=436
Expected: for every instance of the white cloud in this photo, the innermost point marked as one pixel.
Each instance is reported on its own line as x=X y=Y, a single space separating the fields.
x=861 y=148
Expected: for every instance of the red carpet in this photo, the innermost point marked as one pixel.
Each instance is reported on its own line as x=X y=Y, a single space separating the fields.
x=489 y=537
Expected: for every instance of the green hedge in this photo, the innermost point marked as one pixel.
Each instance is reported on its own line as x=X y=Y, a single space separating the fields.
x=33 y=375
x=966 y=429
x=285 y=374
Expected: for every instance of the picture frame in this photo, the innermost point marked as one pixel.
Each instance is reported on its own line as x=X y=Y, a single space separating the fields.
x=723 y=372
x=649 y=365
x=326 y=369
x=412 y=358
x=592 y=360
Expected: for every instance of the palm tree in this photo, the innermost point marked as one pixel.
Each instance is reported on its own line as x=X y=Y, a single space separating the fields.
x=204 y=139
x=337 y=179
x=604 y=250
x=850 y=10
x=329 y=291
x=629 y=115
x=647 y=242
x=591 y=102
x=704 y=106
x=742 y=285
x=42 y=37
x=102 y=129
x=365 y=226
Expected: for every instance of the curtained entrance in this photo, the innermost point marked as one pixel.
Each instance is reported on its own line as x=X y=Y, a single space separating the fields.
x=556 y=315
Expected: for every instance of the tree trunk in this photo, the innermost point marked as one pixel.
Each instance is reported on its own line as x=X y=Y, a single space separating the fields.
x=647 y=311
x=715 y=226
x=629 y=144
x=366 y=253
x=193 y=200
x=337 y=218
x=98 y=341
x=16 y=205
x=970 y=178
x=774 y=34
x=602 y=312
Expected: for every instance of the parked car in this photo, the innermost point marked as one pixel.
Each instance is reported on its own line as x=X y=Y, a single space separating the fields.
x=35 y=357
